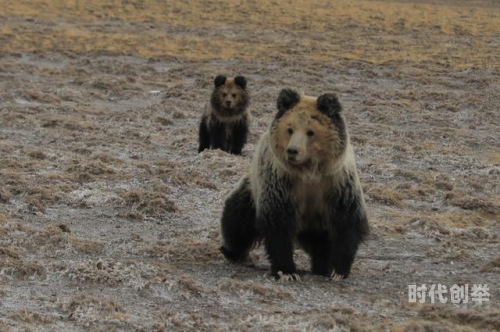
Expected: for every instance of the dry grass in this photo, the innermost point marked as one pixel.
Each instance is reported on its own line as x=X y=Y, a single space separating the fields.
x=4 y=196
x=85 y=246
x=481 y=319
x=87 y=309
x=476 y=203
x=243 y=289
x=392 y=23
x=99 y=110
x=140 y=202
x=383 y=194
x=492 y=266
x=31 y=317
x=14 y=266
x=186 y=249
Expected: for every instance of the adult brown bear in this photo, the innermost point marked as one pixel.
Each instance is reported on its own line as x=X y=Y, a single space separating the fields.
x=302 y=188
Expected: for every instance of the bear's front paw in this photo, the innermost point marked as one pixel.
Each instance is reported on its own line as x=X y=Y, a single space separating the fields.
x=336 y=277
x=287 y=277
x=233 y=257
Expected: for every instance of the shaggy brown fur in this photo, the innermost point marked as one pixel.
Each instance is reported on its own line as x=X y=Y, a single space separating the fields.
x=224 y=124
x=302 y=188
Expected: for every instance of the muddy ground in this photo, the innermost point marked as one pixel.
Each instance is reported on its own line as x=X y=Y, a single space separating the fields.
x=109 y=218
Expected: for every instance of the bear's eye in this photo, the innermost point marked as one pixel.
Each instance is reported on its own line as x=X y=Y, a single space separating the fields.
x=234 y=95
x=310 y=133
x=224 y=95
x=290 y=131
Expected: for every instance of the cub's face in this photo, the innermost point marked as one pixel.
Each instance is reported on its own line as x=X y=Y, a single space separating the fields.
x=229 y=96
x=308 y=131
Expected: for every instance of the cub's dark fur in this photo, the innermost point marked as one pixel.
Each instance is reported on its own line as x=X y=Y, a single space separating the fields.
x=225 y=121
x=303 y=188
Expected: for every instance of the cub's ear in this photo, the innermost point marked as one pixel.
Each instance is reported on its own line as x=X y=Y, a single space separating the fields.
x=219 y=80
x=241 y=81
x=287 y=99
x=329 y=104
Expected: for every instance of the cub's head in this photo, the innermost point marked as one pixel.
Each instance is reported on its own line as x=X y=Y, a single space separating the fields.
x=308 y=132
x=230 y=96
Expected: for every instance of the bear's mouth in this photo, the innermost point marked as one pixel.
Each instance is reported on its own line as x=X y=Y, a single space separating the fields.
x=230 y=111
x=293 y=161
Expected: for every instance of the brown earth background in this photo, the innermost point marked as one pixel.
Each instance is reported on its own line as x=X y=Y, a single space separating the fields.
x=109 y=219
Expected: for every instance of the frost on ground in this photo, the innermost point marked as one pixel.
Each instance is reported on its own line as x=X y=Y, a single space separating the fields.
x=109 y=219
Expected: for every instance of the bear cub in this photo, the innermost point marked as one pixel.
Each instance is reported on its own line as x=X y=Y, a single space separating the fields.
x=302 y=189
x=225 y=121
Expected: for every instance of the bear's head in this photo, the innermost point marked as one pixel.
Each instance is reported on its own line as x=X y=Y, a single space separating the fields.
x=308 y=132
x=230 y=96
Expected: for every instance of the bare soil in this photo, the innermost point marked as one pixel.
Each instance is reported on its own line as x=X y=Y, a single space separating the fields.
x=109 y=218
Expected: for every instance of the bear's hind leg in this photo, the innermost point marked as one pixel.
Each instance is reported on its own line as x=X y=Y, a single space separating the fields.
x=239 y=137
x=203 y=135
x=218 y=138
x=238 y=224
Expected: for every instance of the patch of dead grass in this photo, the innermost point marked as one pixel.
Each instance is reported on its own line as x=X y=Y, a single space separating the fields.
x=81 y=305
x=241 y=287
x=430 y=228
x=491 y=266
x=383 y=194
x=175 y=320
x=37 y=154
x=484 y=319
x=66 y=122
x=391 y=20
x=140 y=202
x=4 y=196
x=112 y=273
x=185 y=250
x=476 y=203
x=85 y=246
x=164 y=121
x=13 y=265
x=108 y=83
x=89 y=171
x=52 y=236
x=460 y=219
x=31 y=317
x=40 y=96
x=190 y=286
x=107 y=158
x=39 y=197
x=11 y=164
x=417 y=192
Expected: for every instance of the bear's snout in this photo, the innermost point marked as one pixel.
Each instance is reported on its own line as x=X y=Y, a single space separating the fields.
x=292 y=152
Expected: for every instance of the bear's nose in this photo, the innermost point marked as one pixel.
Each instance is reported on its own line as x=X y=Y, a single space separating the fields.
x=292 y=151
x=228 y=103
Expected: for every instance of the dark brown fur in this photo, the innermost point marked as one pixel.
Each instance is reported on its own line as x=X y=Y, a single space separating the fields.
x=224 y=124
x=302 y=188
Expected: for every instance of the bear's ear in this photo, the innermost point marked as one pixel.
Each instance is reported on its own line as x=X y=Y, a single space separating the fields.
x=287 y=99
x=241 y=81
x=329 y=104
x=219 y=80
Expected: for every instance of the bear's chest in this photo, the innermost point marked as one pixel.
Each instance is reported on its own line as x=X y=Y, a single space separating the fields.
x=310 y=204
x=229 y=128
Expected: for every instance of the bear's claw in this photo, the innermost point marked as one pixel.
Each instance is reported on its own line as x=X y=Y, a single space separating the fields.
x=288 y=277
x=336 y=277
